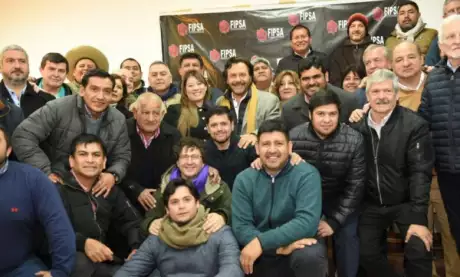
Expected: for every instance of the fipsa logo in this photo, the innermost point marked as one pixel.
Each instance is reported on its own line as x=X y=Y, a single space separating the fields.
x=333 y=27
x=378 y=40
x=224 y=54
x=232 y=25
x=191 y=28
x=175 y=50
x=270 y=34
x=303 y=17
x=390 y=11
x=377 y=14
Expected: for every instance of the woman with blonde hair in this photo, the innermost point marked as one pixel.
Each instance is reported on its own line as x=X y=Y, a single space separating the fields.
x=286 y=85
x=189 y=116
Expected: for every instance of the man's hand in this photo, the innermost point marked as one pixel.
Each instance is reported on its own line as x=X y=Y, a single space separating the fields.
x=215 y=176
x=104 y=185
x=131 y=254
x=250 y=253
x=257 y=164
x=422 y=232
x=363 y=83
x=97 y=252
x=155 y=226
x=324 y=230
x=55 y=179
x=356 y=115
x=43 y=274
x=146 y=199
x=213 y=223
x=299 y=244
x=246 y=140
x=296 y=159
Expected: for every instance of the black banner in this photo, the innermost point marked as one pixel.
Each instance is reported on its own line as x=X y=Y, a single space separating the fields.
x=219 y=36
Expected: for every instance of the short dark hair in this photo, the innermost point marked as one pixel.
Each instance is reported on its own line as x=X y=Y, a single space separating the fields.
x=358 y=70
x=54 y=58
x=273 y=125
x=412 y=3
x=299 y=26
x=5 y=134
x=86 y=139
x=191 y=55
x=131 y=59
x=234 y=60
x=189 y=142
x=97 y=73
x=218 y=110
x=174 y=184
x=310 y=62
x=324 y=97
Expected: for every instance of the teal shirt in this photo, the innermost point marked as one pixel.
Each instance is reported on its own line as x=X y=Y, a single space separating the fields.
x=60 y=94
x=277 y=210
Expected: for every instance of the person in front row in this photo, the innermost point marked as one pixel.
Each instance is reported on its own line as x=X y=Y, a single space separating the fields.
x=213 y=195
x=183 y=247
x=276 y=211
x=91 y=215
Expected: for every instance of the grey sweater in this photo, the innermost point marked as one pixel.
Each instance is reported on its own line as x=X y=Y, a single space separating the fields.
x=218 y=257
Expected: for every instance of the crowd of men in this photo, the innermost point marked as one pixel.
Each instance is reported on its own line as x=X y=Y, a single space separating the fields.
x=103 y=176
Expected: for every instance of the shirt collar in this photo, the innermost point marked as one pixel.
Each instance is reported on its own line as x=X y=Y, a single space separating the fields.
x=303 y=56
x=384 y=120
x=147 y=141
x=13 y=94
x=449 y=64
x=90 y=116
x=420 y=83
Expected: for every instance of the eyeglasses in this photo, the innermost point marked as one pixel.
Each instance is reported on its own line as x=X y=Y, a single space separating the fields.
x=192 y=157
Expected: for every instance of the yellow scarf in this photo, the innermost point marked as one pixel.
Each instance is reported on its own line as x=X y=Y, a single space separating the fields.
x=250 y=110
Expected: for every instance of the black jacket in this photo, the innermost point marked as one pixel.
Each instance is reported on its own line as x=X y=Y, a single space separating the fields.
x=340 y=160
x=440 y=106
x=88 y=224
x=295 y=110
x=10 y=116
x=292 y=61
x=200 y=131
x=400 y=163
x=30 y=101
x=230 y=162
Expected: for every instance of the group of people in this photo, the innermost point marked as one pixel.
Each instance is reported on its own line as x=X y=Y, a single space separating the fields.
x=103 y=176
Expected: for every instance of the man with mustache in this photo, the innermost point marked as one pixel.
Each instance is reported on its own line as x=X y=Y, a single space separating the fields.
x=300 y=37
x=160 y=81
x=350 y=52
x=400 y=160
x=54 y=68
x=411 y=27
x=14 y=88
x=314 y=76
x=337 y=151
x=263 y=74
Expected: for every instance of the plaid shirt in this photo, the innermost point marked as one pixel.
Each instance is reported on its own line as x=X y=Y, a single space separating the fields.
x=145 y=140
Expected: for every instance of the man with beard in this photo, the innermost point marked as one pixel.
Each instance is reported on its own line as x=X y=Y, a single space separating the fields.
x=410 y=27
x=350 y=52
x=53 y=69
x=300 y=37
x=160 y=81
x=337 y=151
x=313 y=77
x=276 y=210
x=14 y=88
x=263 y=74
x=134 y=66
x=249 y=106
x=29 y=203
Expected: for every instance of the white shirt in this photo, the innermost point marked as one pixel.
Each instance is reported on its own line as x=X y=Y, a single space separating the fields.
x=236 y=104
x=375 y=126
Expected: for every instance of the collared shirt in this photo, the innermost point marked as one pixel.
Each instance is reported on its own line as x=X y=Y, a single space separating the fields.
x=90 y=115
x=420 y=83
x=306 y=55
x=236 y=104
x=61 y=92
x=4 y=168
x=449 y=64
x=14 y=97
x=147 y=141
x=375 y=126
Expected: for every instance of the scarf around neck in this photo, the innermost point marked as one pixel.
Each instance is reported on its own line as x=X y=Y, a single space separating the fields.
x=199 y=182
x=185 y=236
x=410 y=35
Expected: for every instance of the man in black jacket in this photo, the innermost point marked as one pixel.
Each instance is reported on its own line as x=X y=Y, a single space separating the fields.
x=313 y=75
x=91 y=215
x=152 y=153
x=400 y=158
x=337 y=151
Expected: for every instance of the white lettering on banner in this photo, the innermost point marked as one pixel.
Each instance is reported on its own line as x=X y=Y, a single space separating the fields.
x=342 y=24
x=307 y=16
x=238 y=24
x=377 y=39
x=275 y=32
x=226 y=54
x=184 y=48
x=195 y=28
x=390 y=11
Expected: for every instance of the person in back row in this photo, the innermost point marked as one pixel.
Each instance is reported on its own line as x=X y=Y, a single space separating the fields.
x=160 y=83
x=276 y=211
x=182 y=247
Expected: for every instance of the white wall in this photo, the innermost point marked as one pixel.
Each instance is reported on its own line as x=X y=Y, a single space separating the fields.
x=118 y=28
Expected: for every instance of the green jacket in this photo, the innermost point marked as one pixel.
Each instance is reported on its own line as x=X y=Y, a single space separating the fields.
x=277 y=210
x=423 y=39
x=216 y=197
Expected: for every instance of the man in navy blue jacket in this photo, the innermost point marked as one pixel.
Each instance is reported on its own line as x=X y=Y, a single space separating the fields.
x=30 y=202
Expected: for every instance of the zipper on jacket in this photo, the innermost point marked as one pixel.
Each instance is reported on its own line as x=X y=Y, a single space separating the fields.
x=376 y=158
x=131 y=208
x=271 y=205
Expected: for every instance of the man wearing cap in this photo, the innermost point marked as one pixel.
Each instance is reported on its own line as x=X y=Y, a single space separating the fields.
x=410 y=27
x=350 y=52
x=81 y=60
x=263 y=73
x=14 y=88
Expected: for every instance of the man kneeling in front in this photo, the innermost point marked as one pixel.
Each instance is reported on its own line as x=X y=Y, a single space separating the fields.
x=183 y=247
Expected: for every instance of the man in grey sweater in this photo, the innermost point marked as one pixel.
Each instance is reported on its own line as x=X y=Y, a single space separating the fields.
x=182 y=247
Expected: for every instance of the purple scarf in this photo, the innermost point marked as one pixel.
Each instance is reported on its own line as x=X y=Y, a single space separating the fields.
x=199 y=182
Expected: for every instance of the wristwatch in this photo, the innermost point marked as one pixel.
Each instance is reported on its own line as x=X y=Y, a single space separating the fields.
x=115 y=176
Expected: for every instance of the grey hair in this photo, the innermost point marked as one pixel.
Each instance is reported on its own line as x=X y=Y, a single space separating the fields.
x=147 y=96
x=445 y=22
x=382 y=75
x=13 y=47
x=372 y=47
